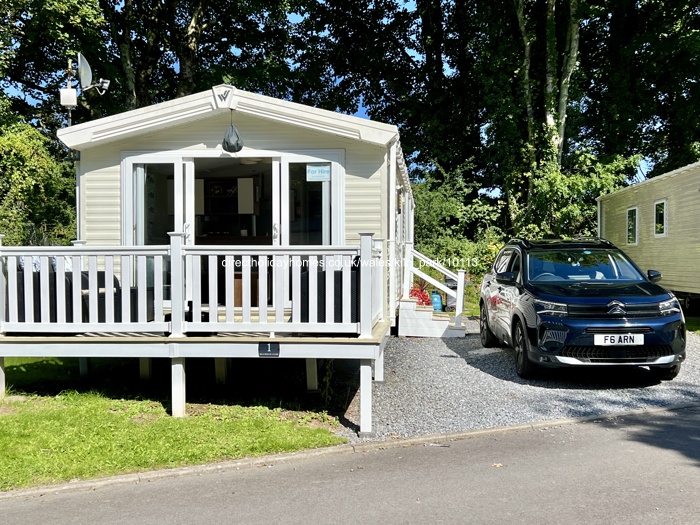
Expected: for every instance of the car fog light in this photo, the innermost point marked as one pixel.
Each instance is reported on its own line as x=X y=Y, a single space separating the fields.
x=544 y=359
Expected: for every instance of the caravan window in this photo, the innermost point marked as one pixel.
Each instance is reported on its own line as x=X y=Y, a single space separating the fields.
x=632 y=226
x=660 y=218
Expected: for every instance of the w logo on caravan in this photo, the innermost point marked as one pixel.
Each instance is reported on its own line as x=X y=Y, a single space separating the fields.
x=223 y=96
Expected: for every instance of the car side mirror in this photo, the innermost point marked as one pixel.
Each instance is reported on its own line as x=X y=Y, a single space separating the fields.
x=654 y=275
x=505 y=278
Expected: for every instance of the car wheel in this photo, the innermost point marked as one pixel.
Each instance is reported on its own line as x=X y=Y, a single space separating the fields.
x=665 y=374
x=523 y=366
x=488 y=340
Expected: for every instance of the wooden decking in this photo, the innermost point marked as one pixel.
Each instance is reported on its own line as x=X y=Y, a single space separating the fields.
x=312 y=302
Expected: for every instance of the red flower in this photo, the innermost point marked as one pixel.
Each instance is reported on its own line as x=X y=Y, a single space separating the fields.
x=421 y=295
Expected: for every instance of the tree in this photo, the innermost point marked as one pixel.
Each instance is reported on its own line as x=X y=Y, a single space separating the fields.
x=552 y=99
x=642 y=80
x=150 y=50
x=36 y=190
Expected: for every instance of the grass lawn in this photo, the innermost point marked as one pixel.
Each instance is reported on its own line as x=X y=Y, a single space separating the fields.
x=693 y=324
x=60 y=428
x=471 y=299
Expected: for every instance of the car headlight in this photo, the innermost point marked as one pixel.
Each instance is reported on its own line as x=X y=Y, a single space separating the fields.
x=550 y=308
x=672 y=306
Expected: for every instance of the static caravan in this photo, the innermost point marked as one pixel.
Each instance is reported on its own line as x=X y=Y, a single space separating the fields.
x=657 y=223
x=291 y=246
x=285 y=248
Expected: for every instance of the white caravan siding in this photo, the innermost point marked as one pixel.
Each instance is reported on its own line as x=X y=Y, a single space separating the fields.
x=366 y=176
x=676 y=254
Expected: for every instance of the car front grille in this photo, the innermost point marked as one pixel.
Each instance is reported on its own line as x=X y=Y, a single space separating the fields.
x=616 y=354
x=619 y=330
x=607 y=312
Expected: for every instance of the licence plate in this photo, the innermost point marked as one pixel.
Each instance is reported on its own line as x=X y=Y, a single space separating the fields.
x=618 y=339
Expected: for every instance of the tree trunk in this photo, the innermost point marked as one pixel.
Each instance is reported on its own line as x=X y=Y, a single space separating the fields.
x=527 y=93
x=551 y=69
x=570 y=60
x=187 y=51
x=120 y=29
x=432 y=40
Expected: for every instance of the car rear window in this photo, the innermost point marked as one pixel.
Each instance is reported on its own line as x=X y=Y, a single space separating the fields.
x=581 y=265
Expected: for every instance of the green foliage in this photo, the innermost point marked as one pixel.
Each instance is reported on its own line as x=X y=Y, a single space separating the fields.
x=35 y=189
x=640 y=80
x=458 y=253
x=447 y=209
x=447 y=204
x=574 y=192
x=501 y=82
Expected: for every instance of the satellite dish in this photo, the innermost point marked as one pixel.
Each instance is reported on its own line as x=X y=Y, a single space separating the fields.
x=84 y=72
x=69 y=95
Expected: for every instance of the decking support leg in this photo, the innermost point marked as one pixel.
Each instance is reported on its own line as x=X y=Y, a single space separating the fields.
x=145 y=368
x=3 y=381
x=365 y=397
x=84 y=366
x=178 y=385
x=311 y=375
x=220 y=370
x=379 y=367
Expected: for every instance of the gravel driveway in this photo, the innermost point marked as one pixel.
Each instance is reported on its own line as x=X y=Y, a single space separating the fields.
x=435 y=386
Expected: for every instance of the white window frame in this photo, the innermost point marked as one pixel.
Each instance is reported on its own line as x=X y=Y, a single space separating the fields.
x=636 y=226
x=665 y=232
x=186 y=157
x=335 y=191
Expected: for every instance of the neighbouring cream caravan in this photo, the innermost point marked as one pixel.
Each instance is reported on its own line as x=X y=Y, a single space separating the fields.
x=657 y=222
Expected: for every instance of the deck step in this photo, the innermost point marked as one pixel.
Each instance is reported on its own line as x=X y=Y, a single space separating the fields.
x=422 y=321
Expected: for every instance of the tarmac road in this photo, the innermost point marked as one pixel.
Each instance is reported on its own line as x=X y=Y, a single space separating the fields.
x=641 y=468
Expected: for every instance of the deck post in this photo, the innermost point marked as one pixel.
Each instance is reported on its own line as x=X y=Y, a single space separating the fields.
x=378 y=273
x=407 y=269
x=145 y=368
x=84 y=366
x=3 y=381
x=379 y=366
x=177 y=280
x=366 y=285
x=3 y=285
x=459 y=305
x=311 y=375
x=178 y=386
x=365 y=397
x=220 y=370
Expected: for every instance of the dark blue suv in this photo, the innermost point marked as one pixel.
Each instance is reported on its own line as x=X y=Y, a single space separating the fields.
x=580 y=303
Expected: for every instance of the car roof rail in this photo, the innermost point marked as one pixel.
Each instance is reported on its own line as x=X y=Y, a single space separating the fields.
x=592 y=238
x=518 y=240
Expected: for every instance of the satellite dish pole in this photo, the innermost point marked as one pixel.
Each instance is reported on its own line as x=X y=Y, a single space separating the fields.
x=69 y=95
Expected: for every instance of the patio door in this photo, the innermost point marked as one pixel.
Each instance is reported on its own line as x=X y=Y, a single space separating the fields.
x=156 y=203
x=155 y=200
x=304 y=211
x=305 y=205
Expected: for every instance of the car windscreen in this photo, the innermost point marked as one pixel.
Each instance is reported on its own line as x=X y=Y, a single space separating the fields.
x=580 y=264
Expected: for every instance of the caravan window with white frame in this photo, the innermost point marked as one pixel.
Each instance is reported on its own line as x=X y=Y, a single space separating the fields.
x=660 y=218
x=632 y=218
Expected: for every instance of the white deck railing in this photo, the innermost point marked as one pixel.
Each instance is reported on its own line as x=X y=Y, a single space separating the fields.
x=411 y=256
x=176 y=289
